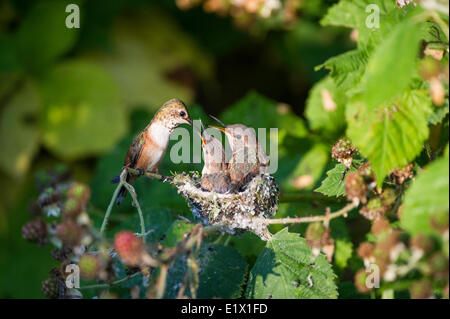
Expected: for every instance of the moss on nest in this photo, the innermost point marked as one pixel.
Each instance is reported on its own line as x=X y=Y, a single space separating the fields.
x=234 y=212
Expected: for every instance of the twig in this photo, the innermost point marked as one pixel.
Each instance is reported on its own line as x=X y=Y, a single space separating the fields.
x=110 y=206
x=132 y=192
x=114 y=283
x=310 y=219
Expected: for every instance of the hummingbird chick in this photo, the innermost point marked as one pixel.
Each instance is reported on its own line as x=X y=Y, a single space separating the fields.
x=248 y=157
x=149 y=147
x=215 y=176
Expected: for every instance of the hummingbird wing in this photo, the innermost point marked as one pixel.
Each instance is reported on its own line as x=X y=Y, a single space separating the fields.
x=135 y=151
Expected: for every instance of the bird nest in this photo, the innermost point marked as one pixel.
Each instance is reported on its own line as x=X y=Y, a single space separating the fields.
x=234 y=213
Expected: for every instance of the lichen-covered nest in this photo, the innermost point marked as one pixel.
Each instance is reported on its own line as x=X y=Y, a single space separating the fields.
x=233 y=212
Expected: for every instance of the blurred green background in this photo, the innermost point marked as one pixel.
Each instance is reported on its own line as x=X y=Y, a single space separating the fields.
x=78 y=96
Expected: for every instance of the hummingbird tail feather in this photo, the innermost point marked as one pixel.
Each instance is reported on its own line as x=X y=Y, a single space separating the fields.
x=115 y=180
x=121 y=195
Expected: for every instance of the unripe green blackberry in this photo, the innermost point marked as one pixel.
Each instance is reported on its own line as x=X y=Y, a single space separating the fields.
x=35 y=231
x=72 y=208
x=79 y=192
x=90 y=266
x=343 y=152
x=314 y=232
x=69 y=232
x=360 y=281
x=388 y=197
x=374 y=209
x=355 y=188
x=421 y=289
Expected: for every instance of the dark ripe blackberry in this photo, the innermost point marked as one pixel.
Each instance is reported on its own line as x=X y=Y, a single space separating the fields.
x=355 y=188
x=402 y=174
x=35 y=231
x=343 y=152
x=49 y=197
x=54 y=288
x=62 y=254
x=421 y=289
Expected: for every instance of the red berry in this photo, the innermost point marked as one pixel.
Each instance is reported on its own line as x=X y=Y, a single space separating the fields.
x=129 y=248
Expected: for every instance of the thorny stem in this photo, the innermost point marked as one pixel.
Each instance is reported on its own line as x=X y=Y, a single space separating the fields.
x=310 y=219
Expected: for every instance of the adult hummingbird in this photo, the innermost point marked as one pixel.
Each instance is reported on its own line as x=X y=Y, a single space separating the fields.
x=248 y=157
x=149 y=147
x=215 y=176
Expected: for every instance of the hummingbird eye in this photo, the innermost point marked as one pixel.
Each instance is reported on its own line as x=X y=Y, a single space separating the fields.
x=182 y=113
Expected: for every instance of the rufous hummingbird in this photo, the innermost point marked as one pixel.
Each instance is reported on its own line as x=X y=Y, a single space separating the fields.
x=248 y=157
x=215 y=176
x=149 y=147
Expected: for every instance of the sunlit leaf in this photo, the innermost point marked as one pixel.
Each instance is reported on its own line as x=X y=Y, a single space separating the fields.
x=83 y=113
x=19 y=135
x=392 y=135
x=427 y=198
x=43 y=36
x=287 y=269
x=325 y=107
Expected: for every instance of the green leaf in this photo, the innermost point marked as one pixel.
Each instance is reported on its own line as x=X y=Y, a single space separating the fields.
x=322 y=115
x=392 y=135
x=346 y=69
x=287 y=268
x=427 y=198
x=176 y=232
x=257 y=111
x=144 y=61
x=333 y=184
x=43 y=35
x=392 y=65
x=221 y=273
x=342 y=253
x=438 y=113
x=83 y=113
x=19 y=136
x=309 y=169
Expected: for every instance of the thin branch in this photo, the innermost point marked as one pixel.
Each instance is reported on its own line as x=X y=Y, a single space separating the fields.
x=310 y=219
x=110 y=206
x=114 y=283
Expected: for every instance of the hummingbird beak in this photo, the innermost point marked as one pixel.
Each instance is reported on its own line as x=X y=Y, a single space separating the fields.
x=217 y=120
x=218 y=128
x=199 y=131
